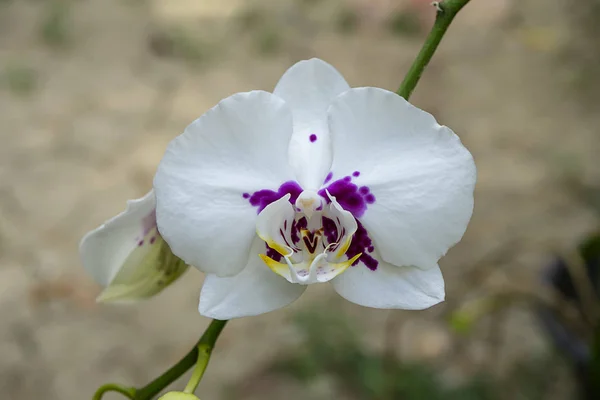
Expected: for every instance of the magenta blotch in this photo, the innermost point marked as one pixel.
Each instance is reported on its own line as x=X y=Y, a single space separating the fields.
x=313 y=138
x=362 y=243
x=328 y=178
x=350 y=196
x=355 y=200
x=273 y=254
x=263 y=198
x=148 y=223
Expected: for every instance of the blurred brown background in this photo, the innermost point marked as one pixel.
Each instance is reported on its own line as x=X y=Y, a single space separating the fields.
x=91 y=91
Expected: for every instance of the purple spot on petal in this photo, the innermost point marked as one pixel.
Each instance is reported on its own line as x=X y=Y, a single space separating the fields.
x=330 y=230
x=140 y=243
x=350 y=196
x=152 y=239
x=313 y=138
x=356 y=173
x=246 y=195
x=362 y=243
x=273 y=254
x=355 y=200
x=328 y=178
x=148 y=223
x=263 y=198
x=302 y=223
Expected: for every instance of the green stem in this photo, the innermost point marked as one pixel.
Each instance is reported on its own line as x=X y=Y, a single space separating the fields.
x=594 y=369
x=447 y=10
x=113 y=387
x=199 y=355
x=204 y=352
x=207 y=341
x=205 y=347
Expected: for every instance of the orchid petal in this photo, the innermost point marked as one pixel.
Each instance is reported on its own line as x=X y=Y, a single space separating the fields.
x=128 y=257
x=308 y=87
x=419 y=176
x=255 y=290
x=202 y=183
x=391 y=287
x=270 y=225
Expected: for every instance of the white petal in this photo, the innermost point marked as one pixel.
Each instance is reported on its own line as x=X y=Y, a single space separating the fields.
x=415 y=179
x=272 y=225
x=391 y=287
x=346 y=224
x=104 y=250
x=308 y=87
x=256 y=290
x=237 y=148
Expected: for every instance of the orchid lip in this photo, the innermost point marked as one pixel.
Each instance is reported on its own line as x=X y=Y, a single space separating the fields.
x=311 y=237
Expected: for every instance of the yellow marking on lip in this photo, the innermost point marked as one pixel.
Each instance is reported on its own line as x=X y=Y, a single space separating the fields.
x=278 y=248
x=344 y=265
x=344 y=248
x=277 y=267
x=281 y=249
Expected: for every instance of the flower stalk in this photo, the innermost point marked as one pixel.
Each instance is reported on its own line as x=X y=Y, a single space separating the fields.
x=199 y=355
x=128 y=392
x=446 y=11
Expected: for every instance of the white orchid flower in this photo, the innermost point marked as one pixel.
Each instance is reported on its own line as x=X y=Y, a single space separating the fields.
x=270 y=192
x=128 y=256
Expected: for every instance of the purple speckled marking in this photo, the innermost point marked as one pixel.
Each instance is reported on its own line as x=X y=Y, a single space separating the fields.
x=152 y=239
x=330 y=230
x=362 y=243
x=355 y=200
x=263 y=198
x=148 y=223
x=273 y=254
x=313 y=138
x=350 y=196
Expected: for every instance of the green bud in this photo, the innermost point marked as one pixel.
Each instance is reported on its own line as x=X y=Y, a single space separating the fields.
x=178 y=396
x=147 y=271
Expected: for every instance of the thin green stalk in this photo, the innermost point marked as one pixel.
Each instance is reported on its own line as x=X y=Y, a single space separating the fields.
x=199 y=355
x=447 y=10
x=594 y=368
x=207 y=341
x=113 y=387
x=204 y=352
